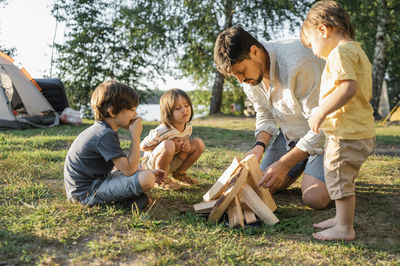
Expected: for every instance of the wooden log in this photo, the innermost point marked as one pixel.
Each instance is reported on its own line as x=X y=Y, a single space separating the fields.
x=219 y=186
x=249 y=197
x=204 y=207
x=249 y=216
x=234 y=185
x=235 y=213
x=251 y=164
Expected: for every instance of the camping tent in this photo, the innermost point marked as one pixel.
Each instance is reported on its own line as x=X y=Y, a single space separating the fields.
x=22 y=105
x=394 y=116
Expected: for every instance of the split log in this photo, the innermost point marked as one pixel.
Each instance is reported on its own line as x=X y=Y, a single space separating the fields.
x=249 y=216
x=204 y=207
x=234 y=185
x=251 y=164
x=235 y=213
x=249 y=197
x=219 y=186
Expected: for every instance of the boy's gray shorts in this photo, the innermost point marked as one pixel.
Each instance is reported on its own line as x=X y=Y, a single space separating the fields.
x=313 y=167
x=116 y=188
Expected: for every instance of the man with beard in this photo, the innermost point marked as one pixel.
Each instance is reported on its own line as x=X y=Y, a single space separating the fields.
x=282 y=79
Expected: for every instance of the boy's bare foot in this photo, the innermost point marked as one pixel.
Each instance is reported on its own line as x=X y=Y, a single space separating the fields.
x=168 y=184
x=325 y=224
x=336 y=233
x=184 y=178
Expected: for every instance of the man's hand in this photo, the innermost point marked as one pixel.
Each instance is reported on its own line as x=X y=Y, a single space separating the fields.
x=316 y=119
x=136 y=127
x=160 y=175
x=186 y=145
x=258 y=151
x=274 y=176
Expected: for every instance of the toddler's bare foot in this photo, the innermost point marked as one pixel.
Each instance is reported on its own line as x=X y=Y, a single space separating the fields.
x=325 y=224
x=336 y=233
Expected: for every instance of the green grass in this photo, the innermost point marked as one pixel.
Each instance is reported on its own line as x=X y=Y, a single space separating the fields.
x=38 y=225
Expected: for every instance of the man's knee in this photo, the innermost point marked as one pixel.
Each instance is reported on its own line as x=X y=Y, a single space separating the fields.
x=146 y=180
x=315 y=193
x=316 y=198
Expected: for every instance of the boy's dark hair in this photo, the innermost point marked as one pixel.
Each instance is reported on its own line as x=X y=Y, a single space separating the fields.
x=167 y=104
x=231 y=47
x=111 y=97
x=328 y=13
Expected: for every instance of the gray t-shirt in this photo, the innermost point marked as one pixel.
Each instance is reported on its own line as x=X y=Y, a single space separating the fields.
x=89 y=158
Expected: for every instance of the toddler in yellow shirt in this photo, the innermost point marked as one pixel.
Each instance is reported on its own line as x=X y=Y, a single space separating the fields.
x=344 y=112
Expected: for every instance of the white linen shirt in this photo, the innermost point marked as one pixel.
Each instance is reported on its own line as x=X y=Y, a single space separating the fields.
x=293 y=93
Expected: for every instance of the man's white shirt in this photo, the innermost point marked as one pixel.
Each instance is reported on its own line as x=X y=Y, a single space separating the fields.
x=293 y=93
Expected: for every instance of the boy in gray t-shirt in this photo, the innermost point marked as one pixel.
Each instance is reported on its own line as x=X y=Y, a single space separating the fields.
x=88 y=171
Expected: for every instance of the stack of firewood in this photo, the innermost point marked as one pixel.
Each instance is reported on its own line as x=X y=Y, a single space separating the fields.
x=237 y=193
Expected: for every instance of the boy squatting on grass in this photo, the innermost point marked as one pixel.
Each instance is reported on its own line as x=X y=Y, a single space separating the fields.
x=88 y=175
x=344 y=113
x=168 y=147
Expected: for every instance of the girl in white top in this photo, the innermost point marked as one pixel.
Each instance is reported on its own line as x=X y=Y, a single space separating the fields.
x=168 y=146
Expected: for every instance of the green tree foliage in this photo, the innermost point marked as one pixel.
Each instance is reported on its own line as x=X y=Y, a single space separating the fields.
x=151 y=96
x=134 y=40
x=200 y=100
x=107 y=39
x=202 y=21
x=9 y=51
x=366 y=16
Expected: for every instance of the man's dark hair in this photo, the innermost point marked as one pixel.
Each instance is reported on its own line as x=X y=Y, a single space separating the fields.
x=231 y=47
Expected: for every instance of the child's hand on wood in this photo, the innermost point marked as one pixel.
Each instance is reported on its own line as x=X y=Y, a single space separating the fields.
x=186 y=145
x=316 y=119
x=160 y=175
x=136 y=127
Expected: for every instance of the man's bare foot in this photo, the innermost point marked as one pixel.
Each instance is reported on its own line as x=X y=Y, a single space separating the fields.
x=336 y=233
x=325 y=224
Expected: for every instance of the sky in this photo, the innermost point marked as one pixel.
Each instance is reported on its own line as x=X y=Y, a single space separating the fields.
x=29 y=26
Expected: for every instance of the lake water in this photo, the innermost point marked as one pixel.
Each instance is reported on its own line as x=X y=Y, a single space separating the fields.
x=151 y=112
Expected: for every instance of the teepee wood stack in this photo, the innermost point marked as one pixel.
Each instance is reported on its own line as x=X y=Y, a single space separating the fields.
x=237 y=193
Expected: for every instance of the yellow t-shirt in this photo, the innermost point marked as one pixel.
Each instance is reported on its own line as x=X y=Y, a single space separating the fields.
x=355 y=119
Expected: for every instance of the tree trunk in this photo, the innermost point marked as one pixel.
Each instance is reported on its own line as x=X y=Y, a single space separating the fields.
x=379 y=63
x=218 y=87
x=216 y=97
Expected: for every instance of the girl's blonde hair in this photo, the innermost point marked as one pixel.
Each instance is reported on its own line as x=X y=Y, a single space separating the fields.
x=167 y=104
x=330 y=14
x=112 y=97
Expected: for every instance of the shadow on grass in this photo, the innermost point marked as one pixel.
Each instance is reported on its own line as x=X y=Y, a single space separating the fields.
x=65 y=130
x=20 y=248
x=376 y=218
